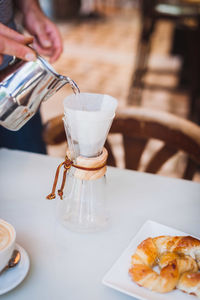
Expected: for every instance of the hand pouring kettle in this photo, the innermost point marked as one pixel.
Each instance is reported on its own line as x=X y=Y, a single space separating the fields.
x=23 y=87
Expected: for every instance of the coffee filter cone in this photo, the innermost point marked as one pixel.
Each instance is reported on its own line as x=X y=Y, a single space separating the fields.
x=102 y=106
x=87 y=120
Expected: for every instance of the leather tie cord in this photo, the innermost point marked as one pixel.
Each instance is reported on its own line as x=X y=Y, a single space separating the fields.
x=67 y=165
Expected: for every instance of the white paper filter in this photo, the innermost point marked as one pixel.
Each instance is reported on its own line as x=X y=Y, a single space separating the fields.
x=88 y=118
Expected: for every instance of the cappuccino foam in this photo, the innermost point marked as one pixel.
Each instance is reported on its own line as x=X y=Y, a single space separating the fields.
x=5 y=235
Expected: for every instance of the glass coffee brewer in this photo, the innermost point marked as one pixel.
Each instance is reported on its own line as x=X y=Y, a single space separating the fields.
x=87 y=120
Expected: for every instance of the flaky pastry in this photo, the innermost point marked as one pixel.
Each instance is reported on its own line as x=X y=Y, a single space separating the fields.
x=177 y=257
x=190 y=283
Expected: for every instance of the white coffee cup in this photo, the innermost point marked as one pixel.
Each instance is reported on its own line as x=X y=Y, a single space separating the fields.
x=7 y=243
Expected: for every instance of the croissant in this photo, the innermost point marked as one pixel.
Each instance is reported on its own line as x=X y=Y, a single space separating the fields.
x=174 y=255
x=190 y=283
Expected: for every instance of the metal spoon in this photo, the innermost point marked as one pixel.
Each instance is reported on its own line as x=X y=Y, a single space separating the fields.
x=14 y=260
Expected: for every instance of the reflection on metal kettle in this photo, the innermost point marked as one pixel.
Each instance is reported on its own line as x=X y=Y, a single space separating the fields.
x=23 y=87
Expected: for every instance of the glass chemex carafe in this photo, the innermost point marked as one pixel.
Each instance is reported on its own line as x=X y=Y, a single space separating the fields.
x=87 y=120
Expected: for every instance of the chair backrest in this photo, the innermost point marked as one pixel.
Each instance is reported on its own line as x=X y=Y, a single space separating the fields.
x=137 y=125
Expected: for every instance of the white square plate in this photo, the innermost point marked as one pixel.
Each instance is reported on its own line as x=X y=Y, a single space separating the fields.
x=118 y=278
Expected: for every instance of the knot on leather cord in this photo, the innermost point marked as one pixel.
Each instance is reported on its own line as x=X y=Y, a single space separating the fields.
x=67 y=164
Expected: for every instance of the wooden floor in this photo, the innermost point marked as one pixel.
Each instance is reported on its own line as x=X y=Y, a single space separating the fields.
x=100 y=56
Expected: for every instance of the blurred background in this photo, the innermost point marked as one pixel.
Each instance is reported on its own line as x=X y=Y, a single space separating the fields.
x=142 y=52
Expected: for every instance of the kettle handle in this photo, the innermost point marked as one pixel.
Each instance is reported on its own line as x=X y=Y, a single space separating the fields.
x=13 y=61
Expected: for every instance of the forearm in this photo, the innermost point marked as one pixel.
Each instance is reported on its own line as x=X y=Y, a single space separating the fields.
x=28 y=5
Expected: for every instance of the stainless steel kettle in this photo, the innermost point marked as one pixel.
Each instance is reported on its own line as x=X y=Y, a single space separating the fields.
x=23 y=87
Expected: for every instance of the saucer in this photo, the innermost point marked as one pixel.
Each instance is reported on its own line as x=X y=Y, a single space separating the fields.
x=13 y=277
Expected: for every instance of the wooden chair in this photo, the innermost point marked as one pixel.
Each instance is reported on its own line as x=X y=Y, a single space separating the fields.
x=137 y=125
x=185 y=14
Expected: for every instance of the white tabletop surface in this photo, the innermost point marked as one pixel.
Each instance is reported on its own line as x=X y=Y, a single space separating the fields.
x=67 y=265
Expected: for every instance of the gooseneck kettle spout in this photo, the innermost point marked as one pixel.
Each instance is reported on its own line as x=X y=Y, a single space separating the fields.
x=24 y=86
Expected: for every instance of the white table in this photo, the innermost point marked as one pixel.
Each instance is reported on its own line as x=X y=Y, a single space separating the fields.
x=67 y=265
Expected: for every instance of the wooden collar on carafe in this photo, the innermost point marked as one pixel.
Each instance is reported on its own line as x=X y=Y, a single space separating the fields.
x=86 y=169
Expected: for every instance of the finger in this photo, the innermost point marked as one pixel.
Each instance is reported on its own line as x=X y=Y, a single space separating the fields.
x=40 y=50
x=13 y=35
x=1 y=59
x=42 y=36
x=55 y=55
x=53 y=52
x=57 y=44
x=10 y=47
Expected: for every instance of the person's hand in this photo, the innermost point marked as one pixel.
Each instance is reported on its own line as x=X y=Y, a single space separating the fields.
x=14 y=44
x=47 y=40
